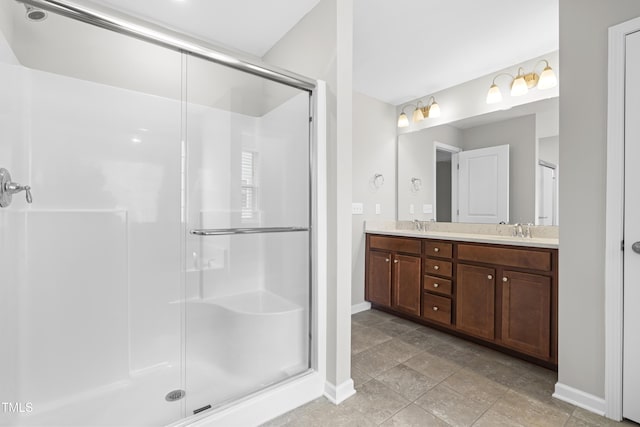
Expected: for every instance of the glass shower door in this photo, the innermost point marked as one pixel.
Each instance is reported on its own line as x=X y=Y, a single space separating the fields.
x=248 y=213
x=90 y=297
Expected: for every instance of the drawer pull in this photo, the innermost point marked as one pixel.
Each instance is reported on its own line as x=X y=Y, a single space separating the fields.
x=436 y=267
x=505 y=279
x=435 y=285
x=489 y=277
x=387 y=260
x=436 y=249
x=395 y=261
x=435 y=308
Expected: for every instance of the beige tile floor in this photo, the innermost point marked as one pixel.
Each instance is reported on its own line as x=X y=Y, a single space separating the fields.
x=410 y=375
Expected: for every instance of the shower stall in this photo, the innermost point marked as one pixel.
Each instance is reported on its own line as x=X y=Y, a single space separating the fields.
x=162 y=269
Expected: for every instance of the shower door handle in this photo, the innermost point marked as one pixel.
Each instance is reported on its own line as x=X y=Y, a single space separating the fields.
x=257 y=230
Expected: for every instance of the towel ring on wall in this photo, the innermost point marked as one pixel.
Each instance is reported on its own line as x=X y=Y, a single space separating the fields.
x=416 y=184
x=378 y=181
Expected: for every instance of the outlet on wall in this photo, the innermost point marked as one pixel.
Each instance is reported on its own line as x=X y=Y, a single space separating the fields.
x=412 y=209
x=378 y=209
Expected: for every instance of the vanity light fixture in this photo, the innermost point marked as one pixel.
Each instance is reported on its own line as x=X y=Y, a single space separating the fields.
x=522 y=82
x=420 y=112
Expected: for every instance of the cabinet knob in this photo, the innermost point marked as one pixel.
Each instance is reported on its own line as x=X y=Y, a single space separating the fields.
x=435 y=308
x=489 y=277
x=435 y=285
x=387 y=260
x=436 y=267
x=436 y=249
x=395 y=261
x=505 y=279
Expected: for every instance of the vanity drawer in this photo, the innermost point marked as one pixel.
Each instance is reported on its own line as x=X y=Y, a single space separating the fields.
x=396 y=244
x=438 y=249
x=523 y=258
x=436 y=308
x=438 y=267
x=437 y=285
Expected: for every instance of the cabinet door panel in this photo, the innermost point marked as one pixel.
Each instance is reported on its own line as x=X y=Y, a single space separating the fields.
x=406 y=284
x=475 y=300
x=526 y=313
x=379 y=278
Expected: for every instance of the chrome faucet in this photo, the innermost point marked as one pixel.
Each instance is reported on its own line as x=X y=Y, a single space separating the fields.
x=527 y=230
x=417 y=224
x=517 y=230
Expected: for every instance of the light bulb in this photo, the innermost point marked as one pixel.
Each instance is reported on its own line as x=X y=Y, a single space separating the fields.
x=519 y=86
x=403 y=121
x=547 y=79
x=494 y=95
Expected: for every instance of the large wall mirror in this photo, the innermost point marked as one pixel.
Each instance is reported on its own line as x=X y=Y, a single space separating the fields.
x=498 y=167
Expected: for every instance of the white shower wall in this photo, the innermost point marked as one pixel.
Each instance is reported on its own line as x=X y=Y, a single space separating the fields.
x=101 y=258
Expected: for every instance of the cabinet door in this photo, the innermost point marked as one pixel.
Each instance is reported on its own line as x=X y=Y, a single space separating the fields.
x=475 y=300
x=379 y=278
x=526 y=313
x=406 y=284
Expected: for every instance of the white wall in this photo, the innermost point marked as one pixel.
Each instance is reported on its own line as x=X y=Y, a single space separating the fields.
x=583 y=131
x=520 y=134
x=374 y=151
x=320 y=46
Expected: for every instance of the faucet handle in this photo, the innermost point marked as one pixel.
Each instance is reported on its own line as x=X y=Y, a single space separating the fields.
x=527 y=231
x=517 y=230
x=27 y=190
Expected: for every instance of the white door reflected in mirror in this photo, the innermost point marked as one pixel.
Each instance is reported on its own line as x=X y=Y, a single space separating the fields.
x=483 y=185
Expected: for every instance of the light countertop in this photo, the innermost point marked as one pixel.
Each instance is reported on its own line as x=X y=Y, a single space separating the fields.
x=543 y=237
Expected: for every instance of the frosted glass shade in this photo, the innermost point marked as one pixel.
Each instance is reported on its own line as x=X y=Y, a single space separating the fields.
x=494 y=95
x=519 y=86
x=434 y=110
x=417 y=115
x=547 y=79
x=403 y=121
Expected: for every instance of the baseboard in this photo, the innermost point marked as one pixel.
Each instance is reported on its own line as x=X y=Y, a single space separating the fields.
x=363 y=306
x=579 y=398
x=340 y=393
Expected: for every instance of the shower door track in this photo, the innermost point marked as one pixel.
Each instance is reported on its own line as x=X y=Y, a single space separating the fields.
x=259 y=230
x=144 y=30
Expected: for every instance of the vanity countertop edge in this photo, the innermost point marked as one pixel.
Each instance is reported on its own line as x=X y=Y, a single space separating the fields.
x=536 y=242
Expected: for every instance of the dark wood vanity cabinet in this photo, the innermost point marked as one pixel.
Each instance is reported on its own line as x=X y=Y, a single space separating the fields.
x=393 y=266
x=475 y=296
x=523 y=290
x=437 y=300
x=505 y=296
x=378 y=288
x=527 y=313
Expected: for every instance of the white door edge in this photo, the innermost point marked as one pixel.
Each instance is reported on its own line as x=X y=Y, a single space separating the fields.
x=614 y=234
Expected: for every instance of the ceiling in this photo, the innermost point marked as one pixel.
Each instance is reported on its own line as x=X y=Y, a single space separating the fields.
x=403 y=49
